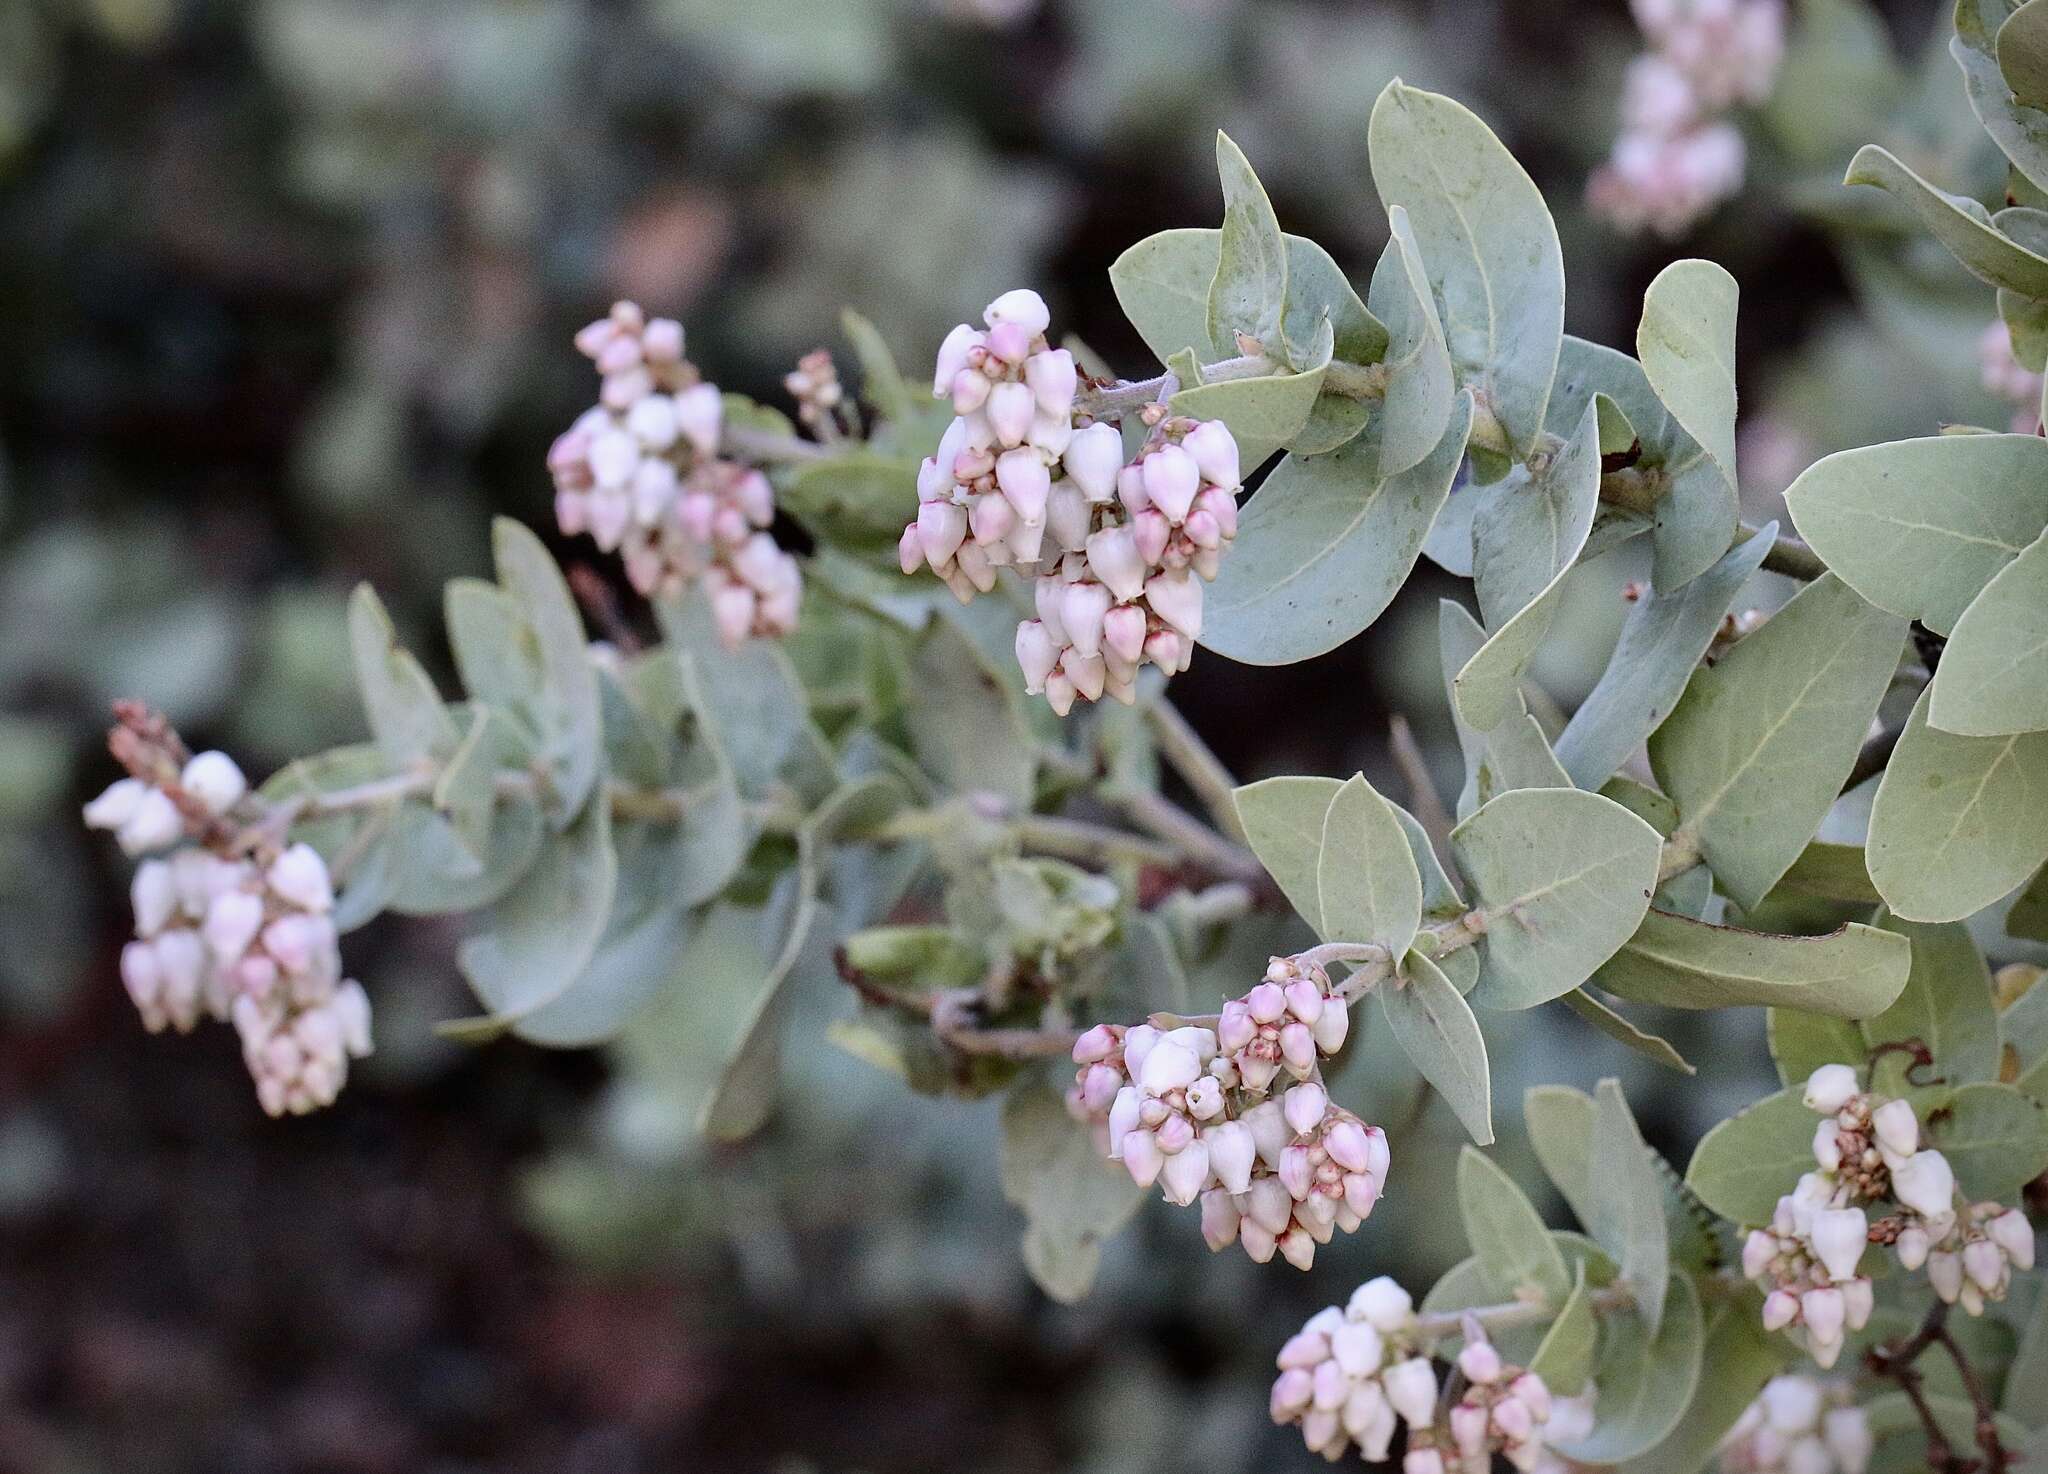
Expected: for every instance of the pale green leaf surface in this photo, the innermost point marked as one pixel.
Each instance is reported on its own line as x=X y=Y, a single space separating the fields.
x=1435 y=1026
x=1686 y=344
x=1993 y=679
x=1564 y=877
x=1367 y=884
x=1507 y=1234
x=1958 y=821
x=1628 y=1208
x=1676 y=962
x=1759 y=745
x=1073 y=1199
x=1749 y=1161
x=1646 y=1379
x=1283 y=824
x=1958 y=222
x=1249 y=292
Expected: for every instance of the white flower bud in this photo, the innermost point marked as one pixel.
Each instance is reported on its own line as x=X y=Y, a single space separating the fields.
x=1758 y=1250
x=1378 y=1430
x=952 y=360
x=1859 y=1298
x=1791 y=1405
x=700 y=417
x=1168 y=1066
x=154 y=823
x=1911 y=1246
x=1781 y=1308
x=1984 y=1263
x=1269 y=1128
x=1186 y=1172
x=1945 y=1273
x=1411 y=1389
x=1422 y=1461
x=1291 y=1392
x=1829 y=1088
x=1827 y=1145
x=1926 y=1184
x=1052 y=379
x=1066 y=516
x=2012 y=1233
x=1333 y=1027
x=1513 y=1419
x=1898 y=1129
x=231 y=924
x=143 y=978
x=1358 y=1348
x=1382 y=1304
x=299 y=876
x=116 y=804
x=1846 y=1432
x=941 y=528
x=153 y=892
x=1839 y=1236
x=215 y=781
x=1469 y=1429
x=1022 y=306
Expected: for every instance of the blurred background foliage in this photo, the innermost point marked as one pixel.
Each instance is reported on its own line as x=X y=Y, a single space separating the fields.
x=285 y=296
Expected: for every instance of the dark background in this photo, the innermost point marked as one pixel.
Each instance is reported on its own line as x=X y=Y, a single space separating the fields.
x=285 y=295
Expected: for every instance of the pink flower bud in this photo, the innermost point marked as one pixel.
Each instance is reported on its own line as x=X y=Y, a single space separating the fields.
x=1142 y=1157
x=1168 y=649
x=1480 y=1362
x=1823 y=1312
x=941 y=528
x=1168 y=1066
x=1130 y=490
x=153 y=893
x=1099 y=1088
x=732 y=611
x=992 y=519
x=1362 y=1192
x=1859 y=1298
x=1334 y=1026
x=1186 y=1173
x=909 y=550
x=1297 y=1248
x=1171 y=481
x=1269 y=1204
x=953 y=352
x=1298 y=1048
x=1052 y=379
x=1984 y=1263
x=970 y=391
x=1945 y=1273
x=1092 y=459
x=1221 y=507
x=1214 y=451
x=1758 y=1250
x=1357 y=1348
x=1098 y=1043
x=1839 y=1236
x=1422 y=1461
x=1234 y=1026
x=154 y=823
x=1025 y=483
x=1781 y=1308
x=1176 y=598
x=1175 y=1134
x=231 y=924
x=1082 y=610
x=1009 y=413
x=1123 y=633
x=142 y=977
x=1220 y=1219
x=1066 y=516
x=1304 y=1000
x=1304 y=1106
x=1512 y=1419
x=662 y=341
x=1297 y=1172
x=1113 y=558
x=1348 y=1146
x=1291 y=1392
x=1469 y=1429
x=1232 y=1153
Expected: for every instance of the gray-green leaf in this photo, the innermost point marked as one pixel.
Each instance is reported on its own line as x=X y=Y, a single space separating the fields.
x=1686 y=342
x=1675 y=962
x=1435 y=1026
x=1249 y=293
x=1758 y=747
x=1507 y=1234
x=1564 y=878
x=1367 y=884
x=1072 y=1198
x=1627 y=1201
x=1993 y=679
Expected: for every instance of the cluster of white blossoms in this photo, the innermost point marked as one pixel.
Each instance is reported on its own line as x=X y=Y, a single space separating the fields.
x=1875 y=1183
x=247 y=939
x=1677 y=155
x=640 y=472
x=1023 y=479
x=1352 y=1375
x=1799 y=1425
x=2008 y=378
x=1197 y=1111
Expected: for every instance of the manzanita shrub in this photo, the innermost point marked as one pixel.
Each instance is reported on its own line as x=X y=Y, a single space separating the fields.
x=926 y=751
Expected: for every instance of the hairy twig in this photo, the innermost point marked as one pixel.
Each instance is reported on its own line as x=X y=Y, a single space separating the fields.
x=1423 y=800
x=1895 y=1362
x=1196 y=763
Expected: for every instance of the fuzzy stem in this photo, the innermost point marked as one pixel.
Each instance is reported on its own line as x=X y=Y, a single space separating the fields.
x=746 y=443
x=1197 y=764
x=1172 y=825
x=1438 y=1325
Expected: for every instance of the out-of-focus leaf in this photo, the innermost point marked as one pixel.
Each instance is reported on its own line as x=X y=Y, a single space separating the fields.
x=1646 y=1378
x=1072 y=1198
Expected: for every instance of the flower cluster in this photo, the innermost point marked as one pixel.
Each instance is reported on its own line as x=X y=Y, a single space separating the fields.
x=1023 y=479
x=1799 y=1425
x=1677 y=156
x=1869 y=1157
x=1350 y=1375
x=2008 y=378
x=245 y=937
x=640 y=472
x=1194 y=1109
